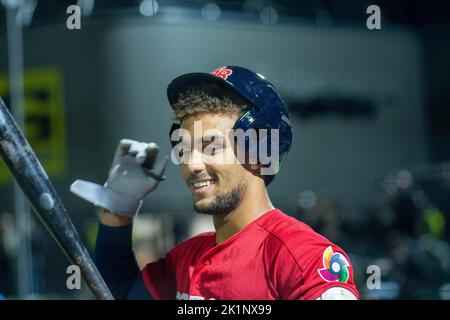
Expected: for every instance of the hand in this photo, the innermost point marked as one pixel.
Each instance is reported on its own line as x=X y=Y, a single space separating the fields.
x=133 y=175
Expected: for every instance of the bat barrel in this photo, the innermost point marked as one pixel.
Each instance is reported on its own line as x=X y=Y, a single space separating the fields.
x=31 y=177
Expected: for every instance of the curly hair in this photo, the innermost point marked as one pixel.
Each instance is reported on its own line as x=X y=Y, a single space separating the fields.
x=209 y=98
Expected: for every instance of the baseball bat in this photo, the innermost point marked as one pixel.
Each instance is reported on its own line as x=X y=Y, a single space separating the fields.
x=31 y=177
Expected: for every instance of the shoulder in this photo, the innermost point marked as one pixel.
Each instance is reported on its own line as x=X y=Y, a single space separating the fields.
x=292 y=233
x=301 y=242
x=306 y=263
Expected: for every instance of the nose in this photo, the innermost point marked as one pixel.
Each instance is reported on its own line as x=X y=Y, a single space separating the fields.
x=196 y=163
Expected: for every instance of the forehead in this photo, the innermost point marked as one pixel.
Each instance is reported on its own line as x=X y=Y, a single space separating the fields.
x=218 y=121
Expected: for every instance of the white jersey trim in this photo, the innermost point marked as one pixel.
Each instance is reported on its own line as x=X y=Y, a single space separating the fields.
x=337 y=293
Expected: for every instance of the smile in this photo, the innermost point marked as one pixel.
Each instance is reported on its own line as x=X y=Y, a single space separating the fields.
x=202 y=186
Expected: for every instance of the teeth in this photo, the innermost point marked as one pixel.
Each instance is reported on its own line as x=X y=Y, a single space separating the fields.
x=202 y=184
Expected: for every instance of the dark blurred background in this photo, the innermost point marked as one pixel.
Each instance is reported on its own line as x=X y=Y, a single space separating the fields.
x=370 y=163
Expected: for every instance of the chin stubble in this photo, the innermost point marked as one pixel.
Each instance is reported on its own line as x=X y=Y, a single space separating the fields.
x=223 y=202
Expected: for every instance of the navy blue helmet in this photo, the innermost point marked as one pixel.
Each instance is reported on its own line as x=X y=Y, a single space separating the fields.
x=267 y=109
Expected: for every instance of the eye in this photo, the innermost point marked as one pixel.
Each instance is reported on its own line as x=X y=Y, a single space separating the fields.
x=212 y=148
x=183 y=151
x=216 y=148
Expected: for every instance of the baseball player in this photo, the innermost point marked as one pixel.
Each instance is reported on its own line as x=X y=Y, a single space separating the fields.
x=256 y=251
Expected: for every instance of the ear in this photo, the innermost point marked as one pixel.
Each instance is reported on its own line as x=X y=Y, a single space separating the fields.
x=254 y=168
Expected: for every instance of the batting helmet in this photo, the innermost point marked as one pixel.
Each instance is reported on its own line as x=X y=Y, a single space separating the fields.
x=267 y=109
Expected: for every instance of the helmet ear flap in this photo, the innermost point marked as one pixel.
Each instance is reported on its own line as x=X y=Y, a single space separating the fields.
x=261 y=152
x=252 y=142
x=245 y=122
x=173 y=140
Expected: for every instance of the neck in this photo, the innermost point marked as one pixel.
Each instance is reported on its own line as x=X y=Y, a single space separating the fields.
x=254 y=204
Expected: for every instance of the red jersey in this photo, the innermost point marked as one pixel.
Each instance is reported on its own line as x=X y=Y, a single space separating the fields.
x=273 y=257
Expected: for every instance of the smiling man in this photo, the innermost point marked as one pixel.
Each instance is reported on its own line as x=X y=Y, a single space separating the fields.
x=230 y=139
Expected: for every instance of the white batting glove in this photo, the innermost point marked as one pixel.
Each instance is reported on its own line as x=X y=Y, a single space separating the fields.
x=132 y=177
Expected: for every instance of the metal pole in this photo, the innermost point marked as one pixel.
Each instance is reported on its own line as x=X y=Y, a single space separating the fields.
x=22 y=209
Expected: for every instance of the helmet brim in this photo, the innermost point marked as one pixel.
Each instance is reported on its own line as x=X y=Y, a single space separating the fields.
x=190 y=81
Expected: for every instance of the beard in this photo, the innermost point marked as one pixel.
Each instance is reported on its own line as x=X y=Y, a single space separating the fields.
x=222 y=203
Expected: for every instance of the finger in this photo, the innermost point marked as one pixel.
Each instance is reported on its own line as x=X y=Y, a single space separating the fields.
x=125 y=145
x=138 y=151
x=121 y=150
x=129 y=152
x=151 y=152
x=159 y=170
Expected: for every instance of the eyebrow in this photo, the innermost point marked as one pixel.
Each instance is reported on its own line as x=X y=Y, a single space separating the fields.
x=208 y=138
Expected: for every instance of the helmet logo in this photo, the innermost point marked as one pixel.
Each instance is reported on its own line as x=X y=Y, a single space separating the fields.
x=222 y=72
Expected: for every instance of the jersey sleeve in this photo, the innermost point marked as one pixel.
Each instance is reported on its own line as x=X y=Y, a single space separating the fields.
x=327 y=267
x=159 y=278
x=306 y=271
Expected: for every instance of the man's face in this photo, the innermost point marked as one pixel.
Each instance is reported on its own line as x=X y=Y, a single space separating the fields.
x=213 y=174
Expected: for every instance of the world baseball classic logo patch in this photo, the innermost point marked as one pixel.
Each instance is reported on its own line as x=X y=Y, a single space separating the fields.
x=335 y=266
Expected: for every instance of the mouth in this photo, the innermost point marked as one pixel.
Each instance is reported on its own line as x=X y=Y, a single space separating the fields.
x=202 y=186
